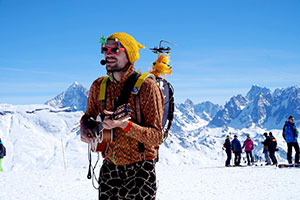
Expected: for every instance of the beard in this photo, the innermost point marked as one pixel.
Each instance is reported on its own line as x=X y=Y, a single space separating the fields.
x=117 y=68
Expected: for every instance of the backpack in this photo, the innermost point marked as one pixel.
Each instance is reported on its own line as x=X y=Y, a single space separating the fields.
x=133 y=85
x=168 y=92
x=273 y=143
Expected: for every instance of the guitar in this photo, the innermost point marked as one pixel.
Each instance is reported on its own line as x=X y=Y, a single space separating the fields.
x=103 y=136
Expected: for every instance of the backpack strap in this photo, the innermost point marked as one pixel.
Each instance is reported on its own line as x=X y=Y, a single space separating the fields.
x=136 y=90
x=126 y=91
x=102 y=94
x=103 y=89
x=138 y=109
x=140 y=81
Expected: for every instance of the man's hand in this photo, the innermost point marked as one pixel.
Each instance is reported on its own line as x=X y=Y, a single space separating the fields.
x=86 y=134
x=109 y=123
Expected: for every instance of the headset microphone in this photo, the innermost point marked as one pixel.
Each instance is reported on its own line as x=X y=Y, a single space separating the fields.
x=103 y=62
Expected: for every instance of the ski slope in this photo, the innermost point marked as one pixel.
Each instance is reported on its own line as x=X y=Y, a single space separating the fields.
x=188 y=182
x=41 y=139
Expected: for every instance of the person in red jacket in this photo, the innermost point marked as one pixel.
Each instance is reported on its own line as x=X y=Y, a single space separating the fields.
x=249 y=146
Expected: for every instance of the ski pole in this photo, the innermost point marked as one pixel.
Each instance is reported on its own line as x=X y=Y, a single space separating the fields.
x=63 y=152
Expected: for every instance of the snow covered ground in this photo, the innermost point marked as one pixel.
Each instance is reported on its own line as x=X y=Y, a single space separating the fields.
x=39 y=137
x=188 y=182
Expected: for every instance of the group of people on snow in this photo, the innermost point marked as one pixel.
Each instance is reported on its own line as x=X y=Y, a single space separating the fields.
x=270 y=147
x=236 y=147
x=289 y=133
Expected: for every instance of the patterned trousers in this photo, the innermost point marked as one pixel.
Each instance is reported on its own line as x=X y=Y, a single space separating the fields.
x=134 y=181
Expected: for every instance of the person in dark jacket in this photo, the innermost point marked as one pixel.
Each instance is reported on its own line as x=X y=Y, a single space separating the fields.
x=290 y=135
x=272 y=148
x=2 y=154
x=236 y=149
x=227 y=147
x=266 y=144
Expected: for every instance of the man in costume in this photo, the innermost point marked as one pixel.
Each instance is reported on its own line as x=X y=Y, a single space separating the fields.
x=128 y=169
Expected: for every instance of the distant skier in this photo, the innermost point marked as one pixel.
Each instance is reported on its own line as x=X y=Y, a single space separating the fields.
x=272 y=148
x=236 y=149
x=290 y=135
x=227 y=147
x=266 y=144
x=2 y=154
x=249 y=146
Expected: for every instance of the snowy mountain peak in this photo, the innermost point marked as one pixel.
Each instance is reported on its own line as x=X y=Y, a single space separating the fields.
x=76 y=84
x=293 y=91
x=206 y=110
x=277 y=92
x=237 y=101
x=256 y=91
x=188 y=103
x=74 y=97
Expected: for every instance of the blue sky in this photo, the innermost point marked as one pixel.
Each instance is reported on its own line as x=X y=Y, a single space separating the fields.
x=222 y=47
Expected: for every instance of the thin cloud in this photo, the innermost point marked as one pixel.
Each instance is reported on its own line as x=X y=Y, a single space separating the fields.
x=14 y=69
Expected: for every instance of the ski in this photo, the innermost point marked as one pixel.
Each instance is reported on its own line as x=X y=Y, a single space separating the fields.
x=288 y=165
x=264 y=165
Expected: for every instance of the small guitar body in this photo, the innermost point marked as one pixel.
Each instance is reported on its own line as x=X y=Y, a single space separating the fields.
x=101 y=144
x=103 y=136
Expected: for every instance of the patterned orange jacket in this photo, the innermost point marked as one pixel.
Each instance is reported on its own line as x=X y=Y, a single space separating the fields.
x=124 y=148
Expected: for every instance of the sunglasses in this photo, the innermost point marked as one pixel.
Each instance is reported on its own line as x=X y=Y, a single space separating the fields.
x=113 y=50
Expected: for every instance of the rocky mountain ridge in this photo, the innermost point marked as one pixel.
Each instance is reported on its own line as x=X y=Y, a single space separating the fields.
x=260 y=107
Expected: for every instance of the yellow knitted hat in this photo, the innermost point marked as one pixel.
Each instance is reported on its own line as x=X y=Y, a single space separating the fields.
x=131 y=45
